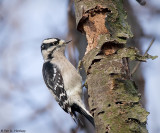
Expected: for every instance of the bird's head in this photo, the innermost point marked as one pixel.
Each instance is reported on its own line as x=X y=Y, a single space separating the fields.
x=51 y=45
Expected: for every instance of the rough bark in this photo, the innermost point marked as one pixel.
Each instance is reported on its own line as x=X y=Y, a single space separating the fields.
x=113 y=96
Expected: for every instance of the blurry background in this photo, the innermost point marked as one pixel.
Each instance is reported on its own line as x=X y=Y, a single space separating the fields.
x=25 y=102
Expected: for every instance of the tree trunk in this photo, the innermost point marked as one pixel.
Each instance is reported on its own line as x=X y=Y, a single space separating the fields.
x=113 y=96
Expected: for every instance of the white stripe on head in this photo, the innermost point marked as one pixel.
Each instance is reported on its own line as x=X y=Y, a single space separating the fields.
x=50 y=40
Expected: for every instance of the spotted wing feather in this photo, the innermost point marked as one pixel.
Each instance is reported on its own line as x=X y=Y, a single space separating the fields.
x=54 y=82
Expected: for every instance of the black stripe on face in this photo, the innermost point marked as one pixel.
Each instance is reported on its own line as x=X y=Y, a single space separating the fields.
x=45 y=46
x=50 y=56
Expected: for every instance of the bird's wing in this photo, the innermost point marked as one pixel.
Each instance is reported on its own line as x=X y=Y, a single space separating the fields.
x=54 y=82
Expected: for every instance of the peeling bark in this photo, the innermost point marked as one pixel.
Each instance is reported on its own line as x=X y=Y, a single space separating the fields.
x=113 y=96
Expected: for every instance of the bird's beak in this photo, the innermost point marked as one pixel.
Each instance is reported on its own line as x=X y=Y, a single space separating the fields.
x=62 y=42
x=68 y=42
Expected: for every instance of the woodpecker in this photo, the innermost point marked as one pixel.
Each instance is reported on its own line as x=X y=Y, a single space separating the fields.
x=62 y=78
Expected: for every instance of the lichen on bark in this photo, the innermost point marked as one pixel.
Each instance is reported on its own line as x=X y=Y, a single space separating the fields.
x=113 y=96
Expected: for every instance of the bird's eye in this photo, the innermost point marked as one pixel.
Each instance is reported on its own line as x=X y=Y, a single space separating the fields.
x=56 y=43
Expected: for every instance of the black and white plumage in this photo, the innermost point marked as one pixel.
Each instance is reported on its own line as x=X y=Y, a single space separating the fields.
x=54 y=82
x=62 y=79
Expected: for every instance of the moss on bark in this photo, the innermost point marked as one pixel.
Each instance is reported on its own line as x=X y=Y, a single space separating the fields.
x=113 y=96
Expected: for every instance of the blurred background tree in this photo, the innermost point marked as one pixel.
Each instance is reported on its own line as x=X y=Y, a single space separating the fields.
x=25 y=102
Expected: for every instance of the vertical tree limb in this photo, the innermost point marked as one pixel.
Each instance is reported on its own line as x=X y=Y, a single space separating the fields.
x=113 y=97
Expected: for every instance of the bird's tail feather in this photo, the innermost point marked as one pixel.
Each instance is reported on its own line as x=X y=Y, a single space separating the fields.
x=83 y=112
x=75 y=118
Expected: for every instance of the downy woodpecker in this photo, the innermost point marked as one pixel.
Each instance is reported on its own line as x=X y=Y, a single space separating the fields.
x=62 y=78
